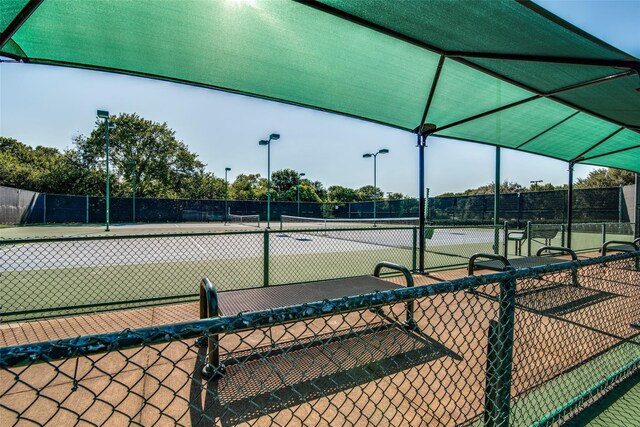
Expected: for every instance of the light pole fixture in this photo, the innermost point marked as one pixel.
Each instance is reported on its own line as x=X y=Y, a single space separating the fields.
x=300 y=175
x=272 y=137
x=107 y=125
x=375 y=190
x=133 y=177
x=534 y=183
x=226 y=195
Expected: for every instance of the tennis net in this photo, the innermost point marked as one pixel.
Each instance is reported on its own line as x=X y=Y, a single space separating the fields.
x=250 y=220
x=288 y=221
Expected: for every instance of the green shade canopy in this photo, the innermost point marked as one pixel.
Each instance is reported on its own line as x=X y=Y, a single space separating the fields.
x=505 y=73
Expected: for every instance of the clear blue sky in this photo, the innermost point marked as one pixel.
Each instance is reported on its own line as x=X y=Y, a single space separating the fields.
x=41 y=105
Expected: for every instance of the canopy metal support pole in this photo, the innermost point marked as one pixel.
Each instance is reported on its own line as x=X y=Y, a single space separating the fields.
x=422 y=140
x=636 y=210
x=422 y=133
x=496 y=205
x=570 y=204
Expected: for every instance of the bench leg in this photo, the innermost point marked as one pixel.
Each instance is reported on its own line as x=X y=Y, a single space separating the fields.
x=410 y=323
x=517 y=246
x=209 y=308
x=212 y=367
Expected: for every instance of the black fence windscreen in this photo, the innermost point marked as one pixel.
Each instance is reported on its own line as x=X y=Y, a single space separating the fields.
x=590 y=205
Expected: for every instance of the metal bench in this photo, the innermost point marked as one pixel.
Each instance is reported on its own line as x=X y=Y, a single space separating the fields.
x=622 y=246
x=499 y=263
x=214 y=303
x=521 y=236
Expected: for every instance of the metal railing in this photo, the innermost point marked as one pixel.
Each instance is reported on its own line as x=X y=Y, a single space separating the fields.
x=527 y=347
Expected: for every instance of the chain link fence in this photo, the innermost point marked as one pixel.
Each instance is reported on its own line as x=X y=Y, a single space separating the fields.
x=70 y=275
x=526 y=347
x=61 y=276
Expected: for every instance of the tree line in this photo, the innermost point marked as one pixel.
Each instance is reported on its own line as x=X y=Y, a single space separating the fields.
x=148 y=153
x=598 y=178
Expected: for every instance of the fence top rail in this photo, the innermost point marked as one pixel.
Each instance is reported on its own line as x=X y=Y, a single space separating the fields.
x=4 y=241
x=10 y=241
x=50 y=351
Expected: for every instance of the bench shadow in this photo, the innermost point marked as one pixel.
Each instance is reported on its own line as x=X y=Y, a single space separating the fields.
x=550 y=298
x=561 y=299
x=274 y=381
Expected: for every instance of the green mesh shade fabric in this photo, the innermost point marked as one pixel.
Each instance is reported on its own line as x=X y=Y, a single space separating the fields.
x=8 y=10
x=579 y=131
x=559 y=93
x=622 y=140
x=514 y=126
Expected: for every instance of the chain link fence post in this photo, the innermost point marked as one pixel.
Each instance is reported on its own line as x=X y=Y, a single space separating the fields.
x=414 y=251
x=505 y=242
x=265 y=274
x=500 y=358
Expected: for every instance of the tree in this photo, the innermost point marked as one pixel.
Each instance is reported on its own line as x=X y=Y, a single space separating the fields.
x=248 y=187
x=367 y=192
x=307 y=193
x=205 y=186
x=337 y=193
x=505 y=187
x=45 y=169
x=282 y=180
x=606 y=177
x=164 y=166
x=318 y=188
x=396 y=196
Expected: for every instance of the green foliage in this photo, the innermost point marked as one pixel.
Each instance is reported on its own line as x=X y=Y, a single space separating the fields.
x=369 y=192
x=46 y=169
x=248 y=187
x=337 y=193
x=283 y=180
x=505 y=188
x=396 y=196
x=204 y=186
x=606 y=177
x=164 y=167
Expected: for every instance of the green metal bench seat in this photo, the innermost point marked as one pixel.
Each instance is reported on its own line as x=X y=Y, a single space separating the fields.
x=521 y=236
x=499 y=263
x=214 y=303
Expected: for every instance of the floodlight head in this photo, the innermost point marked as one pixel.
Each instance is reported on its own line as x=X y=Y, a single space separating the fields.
x=302 y=174
x=274 y=136
x=103 y=114
x=383 y=151
x=425 y=129
x=367 y=155
x=227 y=169
x=263 y=142
x=112 y=125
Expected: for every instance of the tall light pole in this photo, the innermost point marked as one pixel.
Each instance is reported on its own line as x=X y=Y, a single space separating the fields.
x=534 y=184
x=272 y=137
x=226 y=195
x=375 y=191
x=133 y=177
x=107 y=125
x=300 y=175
